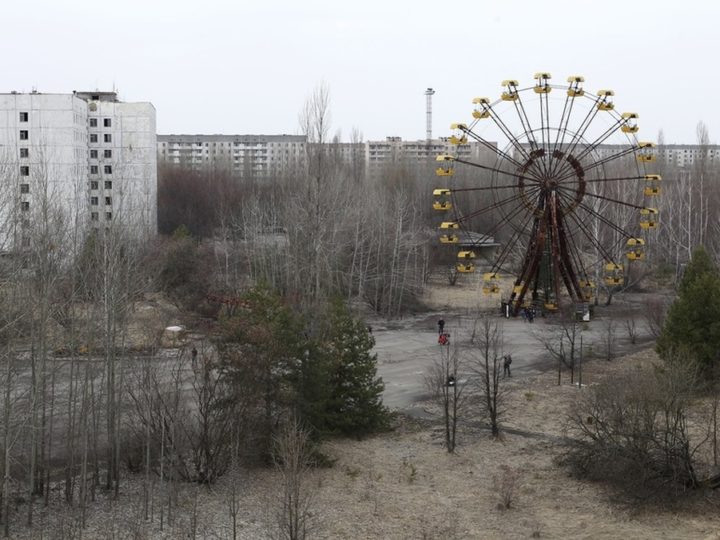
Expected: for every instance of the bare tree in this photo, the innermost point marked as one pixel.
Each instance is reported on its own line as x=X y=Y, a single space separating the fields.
x=447 y=390
x=562 y=342
x=633 y=431
x=654 y=315
x=488 y=367
x=609 y=339
x=292 y=447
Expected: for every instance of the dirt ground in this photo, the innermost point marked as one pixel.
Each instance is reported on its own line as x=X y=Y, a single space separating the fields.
x=403 y=484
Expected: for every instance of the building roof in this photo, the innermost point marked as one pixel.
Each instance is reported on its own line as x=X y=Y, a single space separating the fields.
x=475 y=239
x=223 y=138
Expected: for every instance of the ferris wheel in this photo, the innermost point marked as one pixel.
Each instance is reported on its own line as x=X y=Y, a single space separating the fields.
x=565 y=192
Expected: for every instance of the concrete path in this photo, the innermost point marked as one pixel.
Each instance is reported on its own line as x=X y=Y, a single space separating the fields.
x=406 y=348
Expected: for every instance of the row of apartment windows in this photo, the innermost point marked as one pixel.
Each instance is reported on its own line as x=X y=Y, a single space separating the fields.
x=95 y=216
x=107 y=122
x=94 y=184
x=94 y=201
x=244 y=144
x=94 y=154
x=107 y=137
x=94 y=169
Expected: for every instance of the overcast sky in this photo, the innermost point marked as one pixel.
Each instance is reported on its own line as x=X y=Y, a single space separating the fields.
x=217 y=66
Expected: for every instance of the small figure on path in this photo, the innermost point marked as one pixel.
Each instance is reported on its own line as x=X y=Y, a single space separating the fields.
x=507 y=360
x=194 y=356
x=441 y=326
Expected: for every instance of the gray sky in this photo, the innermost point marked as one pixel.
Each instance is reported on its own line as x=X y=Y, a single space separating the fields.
x=217 y=66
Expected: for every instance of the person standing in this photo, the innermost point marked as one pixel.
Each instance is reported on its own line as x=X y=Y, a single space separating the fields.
x=507 y=360
x=441 y=326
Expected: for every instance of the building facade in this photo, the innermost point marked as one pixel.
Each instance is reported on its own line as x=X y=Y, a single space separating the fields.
x=86 y=152
x=264 y=156
x=379 y=155
x=243 y=156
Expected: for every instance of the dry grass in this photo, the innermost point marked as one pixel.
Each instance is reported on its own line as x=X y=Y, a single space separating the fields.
x=404 y=485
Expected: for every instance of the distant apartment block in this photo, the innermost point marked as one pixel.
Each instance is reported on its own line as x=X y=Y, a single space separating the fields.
x=679 y=155
x=87 y=151
x=393 y=150
x=241 y=156
x=263 y=156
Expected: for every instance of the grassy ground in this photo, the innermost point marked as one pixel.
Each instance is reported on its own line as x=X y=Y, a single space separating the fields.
x=404 y=485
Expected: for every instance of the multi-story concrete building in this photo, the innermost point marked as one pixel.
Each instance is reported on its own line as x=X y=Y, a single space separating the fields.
x=680 y=155
x=243 y=156
x=264 y=156
x=684 y=155
x=88 y=153
x=394 y=151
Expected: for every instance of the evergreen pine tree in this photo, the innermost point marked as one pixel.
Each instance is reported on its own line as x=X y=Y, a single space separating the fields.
x=692 y=325
x=355 y=400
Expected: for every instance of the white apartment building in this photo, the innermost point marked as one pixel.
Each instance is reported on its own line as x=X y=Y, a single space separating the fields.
x=90 y=154
x=263 y=156
x=679 y=155
x=242 y=156
x=393 y=150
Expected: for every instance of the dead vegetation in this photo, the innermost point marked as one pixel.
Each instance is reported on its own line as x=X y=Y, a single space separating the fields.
x=404 y=484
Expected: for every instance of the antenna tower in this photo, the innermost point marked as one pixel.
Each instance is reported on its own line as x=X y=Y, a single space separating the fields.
x=428 y=114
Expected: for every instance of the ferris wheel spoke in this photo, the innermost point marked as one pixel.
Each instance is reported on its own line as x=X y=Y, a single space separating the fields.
x=524 y=121
x=486 y=168
x=615 y=179
x=484 y=188
x=601 y=139
x=545 y=131
x=516 y=211
x=605 y=198
x=604 y=161
x=493 y=206
x=506 y=131
x=577 y=137
x=493 y=147
x=574 y=253
x=564 y=121
x=605 y=220
x=588 y=234
x=599 y=216
x=577 y=258
x=512 y=138
x=526 y=126
x=514 y=239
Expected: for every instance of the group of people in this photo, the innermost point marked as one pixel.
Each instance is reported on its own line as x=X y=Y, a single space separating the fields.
x=444 y=339
x=528 y=314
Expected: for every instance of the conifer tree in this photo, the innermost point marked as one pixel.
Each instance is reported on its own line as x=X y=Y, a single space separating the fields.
x=355 y=400
x=692 y=325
